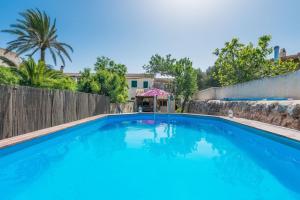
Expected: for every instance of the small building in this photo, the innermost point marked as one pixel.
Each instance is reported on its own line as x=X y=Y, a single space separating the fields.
x=12 y=56
x=74 y=76
x=155 y=100
x=137 y=83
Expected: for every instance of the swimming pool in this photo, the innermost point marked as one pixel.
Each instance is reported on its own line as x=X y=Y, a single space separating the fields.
x=146 y=156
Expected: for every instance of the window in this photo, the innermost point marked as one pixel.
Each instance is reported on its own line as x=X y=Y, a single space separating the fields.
x=145 y=84
x=133 y=84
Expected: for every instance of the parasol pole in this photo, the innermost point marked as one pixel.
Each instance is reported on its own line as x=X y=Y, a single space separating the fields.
x=168 y=104
x=154 y=102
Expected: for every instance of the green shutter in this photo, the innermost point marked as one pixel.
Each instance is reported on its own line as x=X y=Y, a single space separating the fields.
x=145 y=84
x=133 y=84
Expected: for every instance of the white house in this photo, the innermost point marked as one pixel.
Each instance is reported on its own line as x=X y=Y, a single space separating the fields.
x=138 y=83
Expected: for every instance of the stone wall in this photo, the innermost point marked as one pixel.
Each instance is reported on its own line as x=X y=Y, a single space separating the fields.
x=281 y=113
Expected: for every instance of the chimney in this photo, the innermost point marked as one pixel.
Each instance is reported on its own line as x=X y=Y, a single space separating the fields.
x=62 y=69
x=282 y=53
x=276 y=53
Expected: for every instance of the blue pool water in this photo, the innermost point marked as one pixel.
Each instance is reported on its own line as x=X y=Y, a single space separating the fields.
x=143 y=157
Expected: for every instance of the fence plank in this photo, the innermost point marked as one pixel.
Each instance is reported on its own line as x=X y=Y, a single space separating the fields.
x=70 y=112
x=57 y=108
x=82 y=105
x=26 y=109
x=6 y=112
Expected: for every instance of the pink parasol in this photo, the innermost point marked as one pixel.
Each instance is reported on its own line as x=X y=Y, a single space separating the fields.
x=154 y=92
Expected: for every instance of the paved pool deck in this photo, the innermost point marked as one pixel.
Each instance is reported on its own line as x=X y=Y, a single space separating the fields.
x=277 y=130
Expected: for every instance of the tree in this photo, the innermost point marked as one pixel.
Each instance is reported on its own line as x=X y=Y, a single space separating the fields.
x=189 y=84
x=88 y=82
x=206 y=79
x=35 y=31
x=185 y=76
x=111 y=78
x=211 y=80
x=237 y=63
x=110 y=65
x=274 y=68
x=201 y=77
x=35 y=74
x=161 y=65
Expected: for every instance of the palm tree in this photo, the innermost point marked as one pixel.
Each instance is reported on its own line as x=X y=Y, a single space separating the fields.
x=36 y=32
x=36 y=74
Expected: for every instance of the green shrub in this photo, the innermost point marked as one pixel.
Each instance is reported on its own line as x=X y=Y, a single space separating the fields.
x=179 y=110
x=38 y=74
x=8 y=77
x=64 y=83
x=111 y=79
x=88 y=83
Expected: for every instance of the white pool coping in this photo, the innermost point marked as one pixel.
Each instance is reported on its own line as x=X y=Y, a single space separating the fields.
x=277 y=130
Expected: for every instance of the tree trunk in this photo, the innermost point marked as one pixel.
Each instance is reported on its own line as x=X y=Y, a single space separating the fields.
x=43 y=52
x=183 y=105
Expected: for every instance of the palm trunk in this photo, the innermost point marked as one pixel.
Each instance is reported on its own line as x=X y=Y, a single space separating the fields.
x=43 y=52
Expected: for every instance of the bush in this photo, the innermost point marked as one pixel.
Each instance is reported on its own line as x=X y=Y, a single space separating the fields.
x=179 y=110
x=88 y=83
x=111 y=78
x=8 y=77
x=65 y=83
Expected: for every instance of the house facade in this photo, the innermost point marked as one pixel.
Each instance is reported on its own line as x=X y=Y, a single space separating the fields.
x=138 y=83
x=74 y=76
x=11 y=56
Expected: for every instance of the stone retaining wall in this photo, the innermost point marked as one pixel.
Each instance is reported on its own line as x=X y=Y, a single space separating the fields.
x=281 y=113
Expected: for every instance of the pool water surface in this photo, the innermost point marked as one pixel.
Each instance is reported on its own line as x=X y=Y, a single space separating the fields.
x=146 y=156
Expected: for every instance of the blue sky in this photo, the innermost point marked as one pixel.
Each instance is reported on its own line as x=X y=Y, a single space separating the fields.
x=130 y=31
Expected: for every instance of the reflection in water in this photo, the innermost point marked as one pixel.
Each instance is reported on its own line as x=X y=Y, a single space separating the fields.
x=106 y=140
x=233 y=165
x=174 y=142
x=278 y=159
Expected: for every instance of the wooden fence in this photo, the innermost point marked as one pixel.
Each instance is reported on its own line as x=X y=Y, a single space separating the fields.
x=26 y=109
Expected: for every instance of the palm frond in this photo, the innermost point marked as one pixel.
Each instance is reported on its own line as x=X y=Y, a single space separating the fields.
x=8 y=61
x=36 y=31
